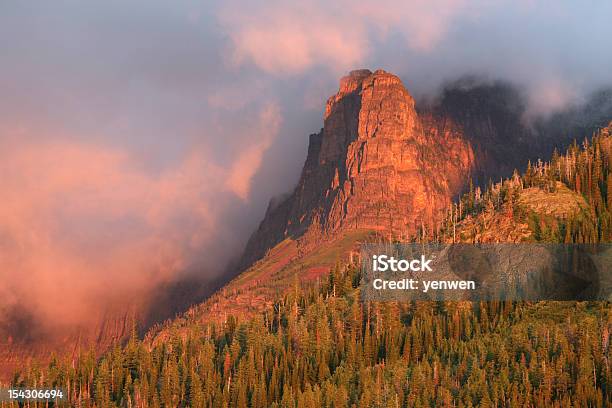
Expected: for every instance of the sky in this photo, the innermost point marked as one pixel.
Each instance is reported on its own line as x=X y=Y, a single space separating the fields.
x=141 y=141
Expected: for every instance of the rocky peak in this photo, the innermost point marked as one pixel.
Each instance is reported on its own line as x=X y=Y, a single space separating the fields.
x=359 y=80
x=357 y=112
x=350 y=83
x=375 y=165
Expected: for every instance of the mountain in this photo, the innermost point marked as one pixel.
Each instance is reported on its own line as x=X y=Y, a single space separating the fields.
x=383 y=167
x=323 y=346
x=491 y=116
x=376 y=165
x=382 y=163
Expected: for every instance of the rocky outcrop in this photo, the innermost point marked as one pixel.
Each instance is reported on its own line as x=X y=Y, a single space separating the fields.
x=376 y=164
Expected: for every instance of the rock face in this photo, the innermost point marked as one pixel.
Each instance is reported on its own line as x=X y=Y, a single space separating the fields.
x=376 y=164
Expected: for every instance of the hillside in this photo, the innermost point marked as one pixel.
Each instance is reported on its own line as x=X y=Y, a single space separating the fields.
x=254 y=291
x=325 y=348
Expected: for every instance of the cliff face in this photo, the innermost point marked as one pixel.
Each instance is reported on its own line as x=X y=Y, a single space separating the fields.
x=376 y=164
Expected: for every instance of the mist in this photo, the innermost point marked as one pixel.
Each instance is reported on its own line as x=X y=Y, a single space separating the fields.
x=140 y=141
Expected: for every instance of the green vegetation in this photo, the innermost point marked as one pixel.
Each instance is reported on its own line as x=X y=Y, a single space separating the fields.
x=568 y=199
x=327 y=348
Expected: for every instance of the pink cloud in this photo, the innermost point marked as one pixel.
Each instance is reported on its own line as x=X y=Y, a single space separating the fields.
x=85 y=226
x=80 y=224
x=550 y=94
x=290 y=37
x=249 y=160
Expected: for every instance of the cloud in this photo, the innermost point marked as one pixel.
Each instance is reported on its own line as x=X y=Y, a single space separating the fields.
x=421 y=23
x=554 y=54
x=81 y=226
x=249 y=161
x=85 y=226
x=291 y=37
x=550 y=95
